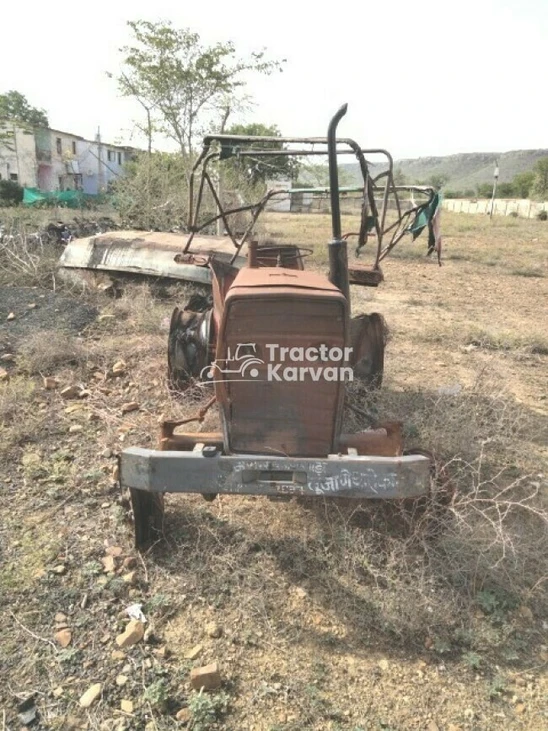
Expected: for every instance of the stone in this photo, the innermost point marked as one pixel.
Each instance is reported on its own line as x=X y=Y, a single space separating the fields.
x=109 y=564
x=121 y=680
x=75 y=428
x=50 y=383
x=91 y=695
x=106 y=453
x=520 y=708
x=60 y=569
x=133 y=633
x=194 y=652
x=206 y=677
x=184 y=715
x=63 y=637
x=525 y=612
x=130 y=406
x=117 y=655
x=70 y=392
x=4 y=375
x=11 y=316
x=115 y=551
x=130 y=578
x=8 y=357
x=383 y=664
x=60 y=617
x=119 y=368
x=213 y=630
x=432 y=726
x=58 y=692
x=116 y=473
x=126 y=705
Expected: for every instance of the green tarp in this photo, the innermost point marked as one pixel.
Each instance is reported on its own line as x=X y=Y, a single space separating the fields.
x=64 y=198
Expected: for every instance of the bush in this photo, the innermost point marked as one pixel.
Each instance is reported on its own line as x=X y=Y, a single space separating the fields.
x=11 y=193
x=542 y=216
x=154 y=194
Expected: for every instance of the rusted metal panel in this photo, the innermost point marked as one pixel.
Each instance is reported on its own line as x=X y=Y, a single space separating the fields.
x=384 y=441
x=281 y=277
x=336 y=476
x=264 y=412
x=367 y=277
x=151 y=254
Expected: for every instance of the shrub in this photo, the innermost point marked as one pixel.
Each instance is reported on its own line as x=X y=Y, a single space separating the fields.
x=542 y=216
x=11 y=193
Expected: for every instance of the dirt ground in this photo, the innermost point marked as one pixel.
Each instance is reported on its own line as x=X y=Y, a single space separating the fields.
x=322 y=616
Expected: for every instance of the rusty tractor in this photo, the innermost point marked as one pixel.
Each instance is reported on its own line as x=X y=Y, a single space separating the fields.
x=275 y=344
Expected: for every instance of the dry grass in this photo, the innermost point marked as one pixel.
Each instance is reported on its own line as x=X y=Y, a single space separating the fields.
x=20 y=419
x=47 y=351
x=25 y=259
x=450 y=592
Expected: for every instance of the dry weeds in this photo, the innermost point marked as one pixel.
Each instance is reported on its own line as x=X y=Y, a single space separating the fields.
x=333 y=615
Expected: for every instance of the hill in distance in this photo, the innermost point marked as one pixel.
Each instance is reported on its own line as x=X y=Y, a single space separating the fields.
x=465 y=170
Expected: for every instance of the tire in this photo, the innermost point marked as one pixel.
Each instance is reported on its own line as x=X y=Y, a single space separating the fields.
x=369 y=335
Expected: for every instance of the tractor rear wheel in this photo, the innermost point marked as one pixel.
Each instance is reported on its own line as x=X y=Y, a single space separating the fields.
x=148 y=516
x=369 y=335
x=188 y=349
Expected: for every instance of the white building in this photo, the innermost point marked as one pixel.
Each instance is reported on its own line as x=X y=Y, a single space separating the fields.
x=17 y=155
x=52 y=160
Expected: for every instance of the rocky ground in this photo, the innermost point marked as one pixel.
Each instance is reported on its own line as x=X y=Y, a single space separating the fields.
x=295 y=616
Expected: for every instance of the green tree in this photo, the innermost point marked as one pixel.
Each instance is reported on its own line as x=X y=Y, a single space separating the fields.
x=540 y=184
x=259 y=169
x=523 y=183
x=399 y=177
x=506 y=190
x=185 y=86
x=485 y=190
x=438 y=180
x=15 y=107
x=316 y=175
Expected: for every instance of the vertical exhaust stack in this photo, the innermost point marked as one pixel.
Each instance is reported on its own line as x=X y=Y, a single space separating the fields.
x=338 y=257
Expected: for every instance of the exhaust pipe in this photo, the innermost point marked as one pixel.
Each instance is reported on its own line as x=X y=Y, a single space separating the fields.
x=338 y=258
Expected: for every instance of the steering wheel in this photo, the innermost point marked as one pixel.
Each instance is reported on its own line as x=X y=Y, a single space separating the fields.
x=285 y=251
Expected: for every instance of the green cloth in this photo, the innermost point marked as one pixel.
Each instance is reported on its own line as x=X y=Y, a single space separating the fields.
x=425 y=215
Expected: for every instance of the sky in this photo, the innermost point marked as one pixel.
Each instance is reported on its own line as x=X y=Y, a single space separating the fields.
x=421 y=78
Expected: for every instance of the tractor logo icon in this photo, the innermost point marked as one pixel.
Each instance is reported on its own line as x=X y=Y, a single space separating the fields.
x=242 y=363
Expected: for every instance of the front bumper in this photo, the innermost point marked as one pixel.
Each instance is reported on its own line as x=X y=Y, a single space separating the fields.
x=347 y=476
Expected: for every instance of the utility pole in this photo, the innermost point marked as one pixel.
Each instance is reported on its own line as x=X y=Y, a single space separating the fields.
x=100 y=176
x=495 y=181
